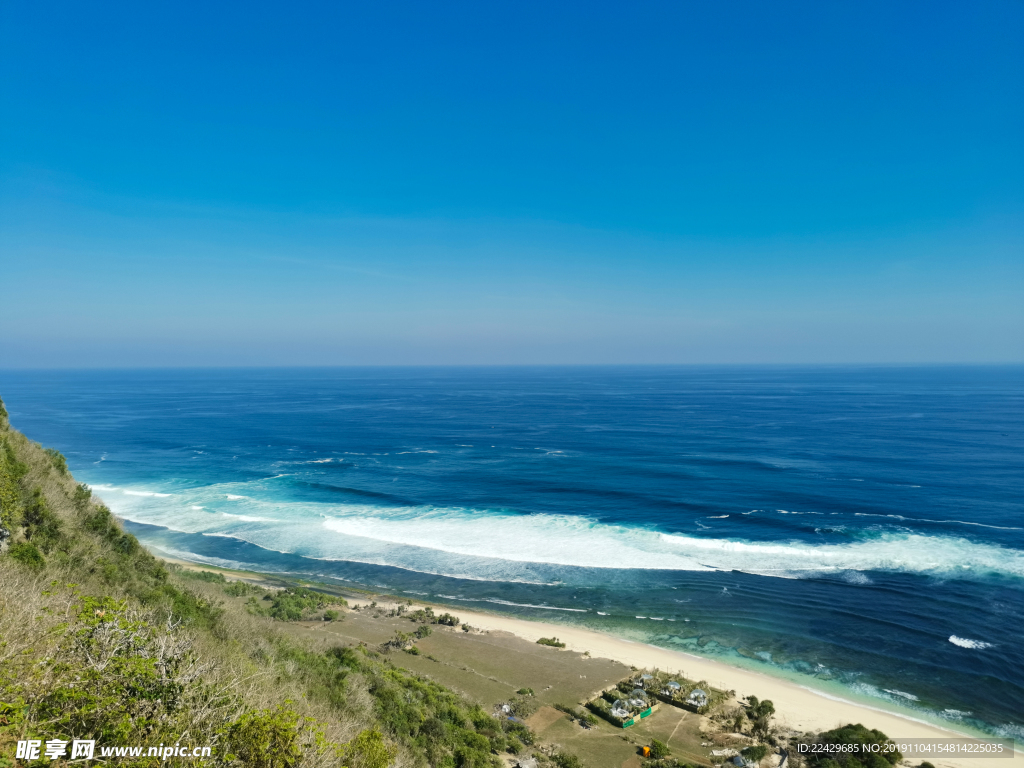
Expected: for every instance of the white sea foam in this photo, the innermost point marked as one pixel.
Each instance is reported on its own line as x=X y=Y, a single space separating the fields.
x=217 y=561
x=855 y=577
x=955 y=714
x=1011 y=731
x=965 y=642
x=489 y=545
x=507 y=602
x=128 y=492
x=951 y=522
x=250 y=518
x=530 y=605
x=901 y=694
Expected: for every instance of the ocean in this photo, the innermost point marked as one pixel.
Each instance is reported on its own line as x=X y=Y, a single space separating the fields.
x=859 y=530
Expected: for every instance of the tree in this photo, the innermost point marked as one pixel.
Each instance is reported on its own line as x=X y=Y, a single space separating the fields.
x=659 y=749
x=737 y=721
x=26 y=553
x=860 y=758
x=755 y=754
x=760 y=713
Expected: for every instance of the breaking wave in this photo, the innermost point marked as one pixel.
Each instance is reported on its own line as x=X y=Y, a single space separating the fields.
x=500 y=545
x=964 y=642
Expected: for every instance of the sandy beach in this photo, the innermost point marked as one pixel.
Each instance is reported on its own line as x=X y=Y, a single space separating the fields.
x=797 y=707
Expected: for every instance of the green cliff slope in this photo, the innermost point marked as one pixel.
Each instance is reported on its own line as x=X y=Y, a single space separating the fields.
x=101 y=641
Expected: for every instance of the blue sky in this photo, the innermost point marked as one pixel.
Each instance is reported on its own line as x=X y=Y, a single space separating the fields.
x=485 y=183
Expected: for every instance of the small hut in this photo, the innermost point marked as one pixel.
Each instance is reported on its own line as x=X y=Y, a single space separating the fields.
x=698 y=698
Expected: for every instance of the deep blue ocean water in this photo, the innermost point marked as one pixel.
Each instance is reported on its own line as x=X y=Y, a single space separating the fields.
x=858 y=529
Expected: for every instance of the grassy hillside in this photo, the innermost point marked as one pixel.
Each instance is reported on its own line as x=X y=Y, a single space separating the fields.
x=100 y=640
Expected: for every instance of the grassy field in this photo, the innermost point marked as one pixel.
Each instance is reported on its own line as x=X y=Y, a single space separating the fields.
x=489 y=668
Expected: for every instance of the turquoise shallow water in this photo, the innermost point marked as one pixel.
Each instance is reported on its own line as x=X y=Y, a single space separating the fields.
x=855 y=527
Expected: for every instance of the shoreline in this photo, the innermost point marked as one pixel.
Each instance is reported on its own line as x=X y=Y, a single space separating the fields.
x=798 y=707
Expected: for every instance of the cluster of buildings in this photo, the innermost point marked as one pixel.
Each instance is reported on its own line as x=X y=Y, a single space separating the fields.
x=628 y=705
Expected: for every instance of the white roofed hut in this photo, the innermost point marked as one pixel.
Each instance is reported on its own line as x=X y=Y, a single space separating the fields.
x=698 y=698
x=620 y=709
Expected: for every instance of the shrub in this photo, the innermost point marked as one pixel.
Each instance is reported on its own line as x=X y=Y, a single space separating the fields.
x=81 y=497
x=567 y=760
x=42 y=527
x=26 y=553
x=58 y=460
x=554 y=642
x=269 y=738
x=208 y=576
x=293 y=604
x=422 y=615
x=331 y=615
x=525 y=691
x=518 y=731
x=369 y=750
x=241 y=589
x=523 y=706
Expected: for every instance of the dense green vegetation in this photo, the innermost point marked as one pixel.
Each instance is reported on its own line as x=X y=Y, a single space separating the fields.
x=554 y=642
x=427 y=616
x=294 y=604
x=760 y=714
x=100 y=640
x=755 y=753
x=874 y=749
x=659 y=749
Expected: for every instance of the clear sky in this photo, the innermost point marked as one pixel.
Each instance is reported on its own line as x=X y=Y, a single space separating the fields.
x=190 y=183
